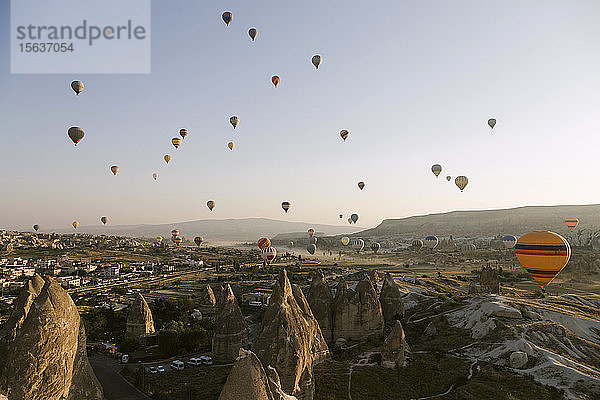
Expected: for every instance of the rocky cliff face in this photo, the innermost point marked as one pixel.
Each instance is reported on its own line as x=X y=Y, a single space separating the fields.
x=290 y=340
x=391 y=300
x=357 y=313
x=139 y=319
x=229 y=333
x=248 y=380
x=42 y=347
x=320 y=299
x=395 y=346
x=207 y=300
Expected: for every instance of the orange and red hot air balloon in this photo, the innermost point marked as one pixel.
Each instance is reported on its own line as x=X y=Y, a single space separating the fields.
x=114 y=169
x=571 y=223
x=275 y=79
x=543 y=254
x=263 y=243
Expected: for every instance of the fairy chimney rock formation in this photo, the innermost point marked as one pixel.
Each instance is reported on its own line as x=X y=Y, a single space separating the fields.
x=391 y=300
x=229 y=332
x=290 y=339
x=395 y=345
x=207 y=297
x=248 y=380
x=139 y=319
x=320 y=299
x=42 y=347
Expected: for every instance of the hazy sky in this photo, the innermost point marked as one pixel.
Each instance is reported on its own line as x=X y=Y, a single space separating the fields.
x=413 y=81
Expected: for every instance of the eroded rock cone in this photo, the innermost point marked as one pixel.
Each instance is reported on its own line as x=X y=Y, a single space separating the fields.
x=320 y=299
x=357 y=313
x=290 y=339
x=395 y=345
x=207 y=297
x=139 y=320
x=229 y=332
x=42 y=347
x=390 y=298
x=248 y=380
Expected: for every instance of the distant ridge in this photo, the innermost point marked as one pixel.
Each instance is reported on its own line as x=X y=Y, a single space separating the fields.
x=481 y=223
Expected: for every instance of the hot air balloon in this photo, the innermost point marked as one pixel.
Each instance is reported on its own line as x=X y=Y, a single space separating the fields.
x=468 y=248
x=311 y=232
x=349 y=220
x=75 y=224
x=183 y=133
x=227 y=17
x=269 y=254
x=316 y=60
x=345 y=240
x=436 y=169
x=286 y=206
x=344 y=134
x=176 y=142
x=263 y=243
x=543 y=254
x=36 y=227
x=198 y=240
x=230 y=145
x=361 y=185
x=275 y=79
x=159 y=239
x=341 y=216
x=354 y=218
x=291 y=244
x=461 y=182
x=375 y=247
x=175 y=232
x=492 y=122
x=417 y=244
x=77 y=87
x=311 y=248
x=234 y=121
x=448 y=178
x=114 y=169
x=312 y=240
x=509 y=241
x=210 y=204
x=155 y=176
x=252 y=32
x=104 y=220
x=431 y=242
x=167 y=158
x=571 y=223
x=357 y=244
x=177 y=240
x=76 y=134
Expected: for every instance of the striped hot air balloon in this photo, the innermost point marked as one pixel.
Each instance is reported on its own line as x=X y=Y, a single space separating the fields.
x=357 y=244
x=571 y=223
x=375 y=247
x=176 y=142
x=461 y=182
x=263 y=243
x=177 y=240
x=509 y=241
x=344 y=134
x=436 y=169
x=417 y=244
x=269 y=254
x=543 y=254
x=275 y=79
x=183 y=133
x=431 y=242
x=468 y=248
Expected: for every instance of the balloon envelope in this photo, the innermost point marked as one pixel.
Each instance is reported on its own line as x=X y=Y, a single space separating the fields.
x=159 y=239
x=75 y=224
x=417 y=244
x=76 y=134
x=275 y=79
x=155 y=176
x=286 y=206
x=104 y=220
x=198 y=240
x=252 y=32
x=468 y=248
x=183 y=133
x=210 y=204
x=509 y=241
x=543 y=254
x=461 y=182
x=263 y=243
x=175 y=232
x=354 y=218
x=227 y=17
x=114 y=169
x=316 y=60
x=375 y=247
x=77 y=87
x=36 y=227
x=436 y=169
x=571 y=223
x=361 y=185
x=234 y=121
x=311 y=232
x=344 y=134
x=357 y=244
x=230 y=145
x=167 y=158
x=448 y=178
x=269 y=254
x=313 y=240
x=492 y=122
x=176 y=142
x=311 y=248
x=431 y=242
x=345 y=240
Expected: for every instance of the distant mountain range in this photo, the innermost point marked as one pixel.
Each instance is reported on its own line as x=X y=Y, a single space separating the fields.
x=219 y=230
x=485 y=223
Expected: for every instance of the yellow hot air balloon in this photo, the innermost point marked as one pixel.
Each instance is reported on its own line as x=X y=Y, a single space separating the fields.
x=75 y=224
x=230 y=145
x=114 y=169
x=167 y=158
x=461 y=182
x=176 y=142
x=543 y=254
x=344 y=134
x=210 y=204
x=159 y=239
x=77 y=87
x=345 y=240
x=436 y=169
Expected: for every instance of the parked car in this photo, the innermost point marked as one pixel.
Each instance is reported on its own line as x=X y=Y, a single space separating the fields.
x=206 y=360
x=153 y=370
x=177 y=365
x=195 y=361
x=160 y=368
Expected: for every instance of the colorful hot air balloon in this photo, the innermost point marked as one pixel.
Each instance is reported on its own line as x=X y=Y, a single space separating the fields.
x=349 y=220
x=269 y=254
x=183 y=133
x=234 y=121
x=431 y=242
x=345 y=240
x=159 y=239
x=176 y=142
x=252 y=32
x=354 y=218
x=36 y=227
x=175 y=232
x=543 y=254
x=275 y=79
x=104 y=220
x=316 y=60
x=344 y=134
x=313 y=240
x=210 y=204
x=361 y=185
x=167 y=158
x=357 y=245
x=461 y=182
x=230 y=145
x=75 y=224
x=509 y=241
x=286 y=206
x=448 y=178
x=468 y=248
x=155 y=176
x=114 y=169
x=198 y=240
x=492 y=122
x=77 y=87
x=76 y=134
x=375 y=247
x=177 y=240
x=227 y=17
x=417 y=244
x=311 y=248
x=311 y=232
x=571 y=223
x=436 y=169
x=263 y=243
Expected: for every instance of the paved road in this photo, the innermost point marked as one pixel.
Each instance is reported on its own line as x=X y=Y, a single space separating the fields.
x=115 y=386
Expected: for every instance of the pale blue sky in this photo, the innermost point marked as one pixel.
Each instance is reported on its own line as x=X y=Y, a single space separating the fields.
x=413 y=81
